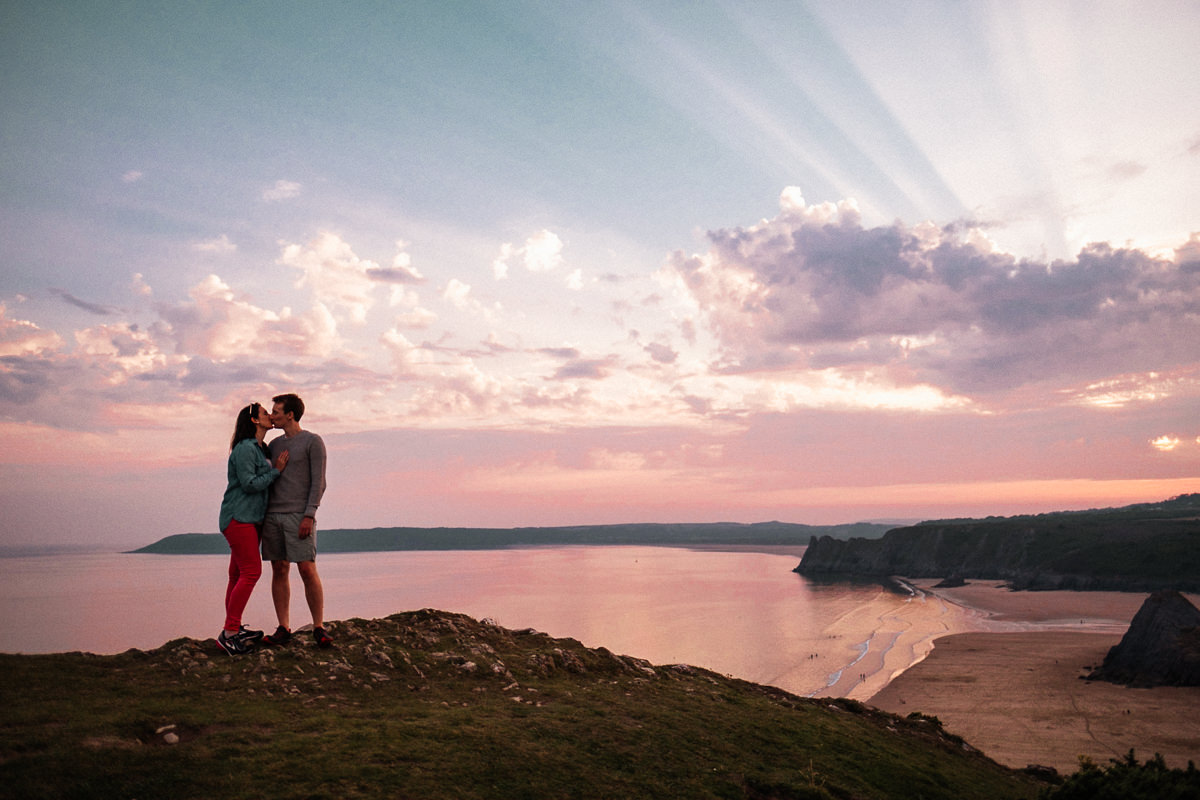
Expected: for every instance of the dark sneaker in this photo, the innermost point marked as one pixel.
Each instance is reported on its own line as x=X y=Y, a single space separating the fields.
x=232 y=643
x=322 y=638
x=250 y=637
x=281 y=636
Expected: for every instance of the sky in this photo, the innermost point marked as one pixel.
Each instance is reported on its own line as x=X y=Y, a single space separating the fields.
x=546 y=263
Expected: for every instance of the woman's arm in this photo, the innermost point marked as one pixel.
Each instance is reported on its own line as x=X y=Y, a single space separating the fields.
x=247 y=464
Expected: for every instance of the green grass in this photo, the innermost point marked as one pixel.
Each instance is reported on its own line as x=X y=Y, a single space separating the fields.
x=396 y=711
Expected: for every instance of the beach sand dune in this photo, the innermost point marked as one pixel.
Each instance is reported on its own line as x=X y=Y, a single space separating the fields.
x=1015 y=690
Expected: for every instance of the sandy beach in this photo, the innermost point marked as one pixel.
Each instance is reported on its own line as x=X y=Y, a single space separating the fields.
x=1006 y=676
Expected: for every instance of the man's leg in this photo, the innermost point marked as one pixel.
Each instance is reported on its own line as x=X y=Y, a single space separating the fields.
x=314 y=592
x=281 y=592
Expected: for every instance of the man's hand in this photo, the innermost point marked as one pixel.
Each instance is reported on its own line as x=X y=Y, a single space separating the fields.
x=306 y=527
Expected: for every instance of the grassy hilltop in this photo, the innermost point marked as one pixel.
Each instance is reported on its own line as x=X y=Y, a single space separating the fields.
x=429 y=704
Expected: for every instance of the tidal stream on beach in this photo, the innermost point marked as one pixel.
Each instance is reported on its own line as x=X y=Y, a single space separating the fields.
x=739 y=613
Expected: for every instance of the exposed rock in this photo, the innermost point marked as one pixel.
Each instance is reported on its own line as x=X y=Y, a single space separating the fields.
x=1161 y=647
x=426 y=646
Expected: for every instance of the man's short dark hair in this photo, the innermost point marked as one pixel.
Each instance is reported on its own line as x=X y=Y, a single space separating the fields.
x=291 y=403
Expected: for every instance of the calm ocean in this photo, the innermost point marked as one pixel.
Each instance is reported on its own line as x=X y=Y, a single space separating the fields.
x=738 y=613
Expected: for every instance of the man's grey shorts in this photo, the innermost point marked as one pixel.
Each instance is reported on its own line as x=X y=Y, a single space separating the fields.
x=281 y=539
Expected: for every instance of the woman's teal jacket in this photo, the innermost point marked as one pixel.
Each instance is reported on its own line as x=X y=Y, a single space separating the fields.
x=250 y=475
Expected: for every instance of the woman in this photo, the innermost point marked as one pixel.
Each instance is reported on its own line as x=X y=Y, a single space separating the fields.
x=242 y=510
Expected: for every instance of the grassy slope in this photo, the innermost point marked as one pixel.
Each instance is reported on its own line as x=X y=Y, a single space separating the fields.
x=429 y=705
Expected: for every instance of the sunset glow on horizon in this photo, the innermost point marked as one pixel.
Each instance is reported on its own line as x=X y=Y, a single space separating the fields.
x=535 y=263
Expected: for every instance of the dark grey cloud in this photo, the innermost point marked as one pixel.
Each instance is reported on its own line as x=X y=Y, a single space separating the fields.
x=92 y=308
x=586 y=368
x=661 y=353
x=560 y=352
x=398 y=275
x=37 y=387
x=25 y=379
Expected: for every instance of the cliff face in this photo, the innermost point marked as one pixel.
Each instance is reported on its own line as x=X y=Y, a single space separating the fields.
x=1161 y=647
x=1077 y=552
x=923 y=552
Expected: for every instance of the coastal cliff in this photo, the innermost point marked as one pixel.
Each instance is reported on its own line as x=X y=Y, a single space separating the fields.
x=1136 y=548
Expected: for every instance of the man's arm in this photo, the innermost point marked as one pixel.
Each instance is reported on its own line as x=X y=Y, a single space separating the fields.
x=316 y=484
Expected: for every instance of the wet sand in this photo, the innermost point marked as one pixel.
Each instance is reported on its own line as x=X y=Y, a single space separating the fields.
x=881 y=639
x=1012 y=686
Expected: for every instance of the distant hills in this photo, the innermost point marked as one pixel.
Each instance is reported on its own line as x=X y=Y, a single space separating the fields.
x=356 y=540
x=1142 y=547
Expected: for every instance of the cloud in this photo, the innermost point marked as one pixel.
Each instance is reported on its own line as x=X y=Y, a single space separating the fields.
x=394 y=275
x=221 y=246
x=401 y=272
x=1126 y=170
x=449 y=388
x=1165 y=443
x=91 y=308
x=1188 y=254
x=132 y=176
x=560 y=352
x=139 y=287
x=541 y=252
x=457 y=293
x=814 y=289
x=575 y=366
x=500 y=264
x=25 y=379
x=661 y=353
x=20 y=337
x=337 y=277
x=414 y=315
x=585 y=368
x=215 y=323
x=125 y=350
x=281 y=190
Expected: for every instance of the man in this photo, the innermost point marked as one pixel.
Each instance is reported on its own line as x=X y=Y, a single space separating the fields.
x=289 y=532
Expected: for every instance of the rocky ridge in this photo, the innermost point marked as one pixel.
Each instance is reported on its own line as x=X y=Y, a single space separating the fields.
x=415 y=649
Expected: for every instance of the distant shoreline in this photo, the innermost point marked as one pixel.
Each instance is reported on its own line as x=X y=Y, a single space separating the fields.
x=710 y=534
x=41 y=551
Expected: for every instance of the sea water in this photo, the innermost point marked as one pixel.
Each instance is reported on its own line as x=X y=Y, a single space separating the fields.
x=744 y=614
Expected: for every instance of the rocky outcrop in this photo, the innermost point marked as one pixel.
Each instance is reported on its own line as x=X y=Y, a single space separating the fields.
x=1161 y=647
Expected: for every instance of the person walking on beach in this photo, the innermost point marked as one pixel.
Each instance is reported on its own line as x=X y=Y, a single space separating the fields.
x=250 y=474
x=290 y=529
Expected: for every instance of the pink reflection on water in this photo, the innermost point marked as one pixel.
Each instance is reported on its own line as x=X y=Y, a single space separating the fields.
x=742 y=614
